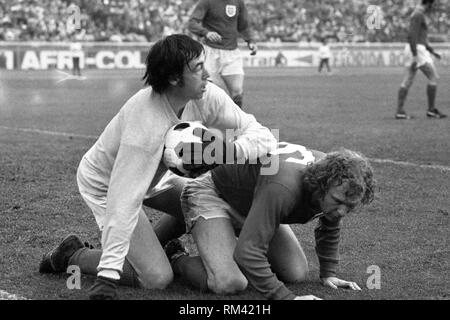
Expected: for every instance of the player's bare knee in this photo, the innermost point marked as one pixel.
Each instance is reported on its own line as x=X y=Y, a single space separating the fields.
x=228 y=284
x=301 y=275
x=294 y=276
x=156 y=281
x=407 y=84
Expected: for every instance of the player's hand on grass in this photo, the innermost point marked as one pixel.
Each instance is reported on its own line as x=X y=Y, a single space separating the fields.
x=308 y=297
x=103 y=289
x=213 y=36
x=336 y=283
x=253 y=48
x=199 y=158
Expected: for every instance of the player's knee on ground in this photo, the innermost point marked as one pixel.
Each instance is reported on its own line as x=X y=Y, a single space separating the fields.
x=297 y=275
x=228 y=284
x=152 y=280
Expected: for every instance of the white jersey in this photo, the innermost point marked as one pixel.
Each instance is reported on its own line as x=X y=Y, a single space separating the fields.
x=76 y=49
x=324 y=52
x=122 y=167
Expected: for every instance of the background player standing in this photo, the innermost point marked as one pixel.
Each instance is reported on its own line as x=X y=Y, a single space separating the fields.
x=324 y=56
x=418 y=56
x=76 y=51
x=220 y=22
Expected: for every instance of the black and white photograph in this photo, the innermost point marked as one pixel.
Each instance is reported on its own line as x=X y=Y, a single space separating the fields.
x=220 y=156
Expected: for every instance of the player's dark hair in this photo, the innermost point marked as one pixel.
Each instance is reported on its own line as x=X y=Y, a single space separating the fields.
x=167 y=58
x=339 y=166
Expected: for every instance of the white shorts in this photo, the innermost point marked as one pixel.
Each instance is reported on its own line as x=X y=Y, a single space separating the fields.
x=201 y=199
x=223 y=62
x=423 y=56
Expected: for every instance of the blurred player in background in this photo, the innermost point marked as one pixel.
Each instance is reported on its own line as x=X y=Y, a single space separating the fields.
x=120 y=172
x=220 y=22
x=76 y=51
x=280 y=59
x=240 y=200
x=418 y=57
x=324 y=56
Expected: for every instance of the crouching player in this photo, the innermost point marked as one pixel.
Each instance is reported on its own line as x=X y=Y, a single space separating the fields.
x=241 y=200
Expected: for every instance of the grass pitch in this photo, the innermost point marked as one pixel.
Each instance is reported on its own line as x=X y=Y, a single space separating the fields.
x=405 y=232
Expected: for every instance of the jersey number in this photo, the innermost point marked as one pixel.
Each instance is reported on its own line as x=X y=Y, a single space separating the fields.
x=302 y=155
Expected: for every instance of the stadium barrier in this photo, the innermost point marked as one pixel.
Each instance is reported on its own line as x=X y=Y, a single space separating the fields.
x=107 y=55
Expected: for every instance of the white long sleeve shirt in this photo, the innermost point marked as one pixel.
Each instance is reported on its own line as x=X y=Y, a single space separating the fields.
x=127 y=156
x=325 y=52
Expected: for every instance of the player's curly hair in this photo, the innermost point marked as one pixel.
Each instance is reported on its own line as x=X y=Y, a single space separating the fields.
x=167 y=58
x=338 y=166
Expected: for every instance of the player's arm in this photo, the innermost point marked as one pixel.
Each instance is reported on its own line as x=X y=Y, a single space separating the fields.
x=253 y=139
x=195 y=22
x=431 y=50
x=131 y=177
x=244 y=28
x=327 y=235
x=270 y=203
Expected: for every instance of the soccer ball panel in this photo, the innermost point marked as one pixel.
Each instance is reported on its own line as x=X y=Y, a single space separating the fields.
x=180 y=133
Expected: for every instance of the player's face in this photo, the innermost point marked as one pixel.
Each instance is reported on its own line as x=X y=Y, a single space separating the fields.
x=336 y=204
x=195 y=78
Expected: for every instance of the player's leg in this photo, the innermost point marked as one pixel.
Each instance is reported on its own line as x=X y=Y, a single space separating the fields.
x=146 y=262
x=408 y=80
x=429 y=70
x=321 y=65
x=216 y=242
x=327 y=63
x=212 y=65
x=207 y=218
x=147 y=257
x=286 y=256
x=171 y=224
x=232 y=72
x=235 y=86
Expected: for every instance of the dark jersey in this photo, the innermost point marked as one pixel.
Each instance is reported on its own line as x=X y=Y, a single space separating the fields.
x=418 y=30
x=228 y=18
x=268 y=201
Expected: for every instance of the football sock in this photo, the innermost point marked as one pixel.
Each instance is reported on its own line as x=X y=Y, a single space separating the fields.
x=238 y=99
x=192 y=270
x=431 y=93
x=402 y=93
x=88 y=259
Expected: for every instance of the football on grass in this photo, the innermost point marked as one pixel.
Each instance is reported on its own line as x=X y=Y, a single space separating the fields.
x=180 y=133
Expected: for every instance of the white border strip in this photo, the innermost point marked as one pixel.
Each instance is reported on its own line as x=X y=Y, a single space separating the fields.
x=84 y=136
x=4 y=295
